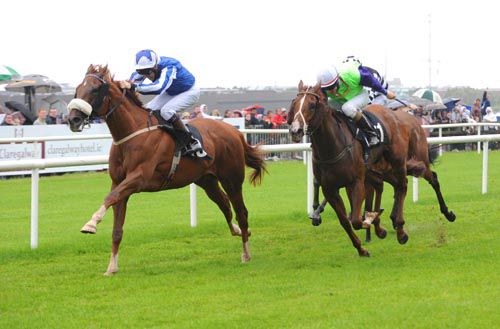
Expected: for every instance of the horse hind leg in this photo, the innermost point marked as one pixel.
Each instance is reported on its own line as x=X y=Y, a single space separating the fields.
x=235 y=195
x=211 y=186
x=431 y=177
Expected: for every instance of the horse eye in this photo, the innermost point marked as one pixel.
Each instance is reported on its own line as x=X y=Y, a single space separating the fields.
x=312 y=107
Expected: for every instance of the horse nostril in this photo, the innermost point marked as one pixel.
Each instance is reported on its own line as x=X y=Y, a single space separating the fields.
x=75 y=120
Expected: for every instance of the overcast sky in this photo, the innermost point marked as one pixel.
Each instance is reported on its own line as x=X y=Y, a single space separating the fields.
x=258 y=42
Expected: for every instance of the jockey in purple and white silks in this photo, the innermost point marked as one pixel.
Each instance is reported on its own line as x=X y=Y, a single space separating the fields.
x=173 y=85
x=376 y=97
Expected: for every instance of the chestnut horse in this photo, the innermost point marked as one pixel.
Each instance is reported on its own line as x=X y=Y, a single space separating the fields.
x=338 y=157
x=141 y=157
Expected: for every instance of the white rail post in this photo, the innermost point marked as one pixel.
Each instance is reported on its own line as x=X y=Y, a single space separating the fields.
x=415 y=189
x=478 y=142
x=192 y=204
x=310 y=187
x=440 y=145
x=34 y=207
x=485 y=167
x=305 y=154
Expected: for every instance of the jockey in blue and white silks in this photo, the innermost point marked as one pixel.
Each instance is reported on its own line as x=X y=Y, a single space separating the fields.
x=173 y=85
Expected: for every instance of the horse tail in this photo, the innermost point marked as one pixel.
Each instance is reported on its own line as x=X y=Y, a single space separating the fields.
x=433 y=151
x=254 y=158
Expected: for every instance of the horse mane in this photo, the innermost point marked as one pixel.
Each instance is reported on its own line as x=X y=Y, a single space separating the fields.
x=104 y=72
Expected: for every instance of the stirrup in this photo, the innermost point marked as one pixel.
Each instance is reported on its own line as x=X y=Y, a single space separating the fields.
x=201 y=153
x=195 y=148
x=366 y=156
x=372 y=140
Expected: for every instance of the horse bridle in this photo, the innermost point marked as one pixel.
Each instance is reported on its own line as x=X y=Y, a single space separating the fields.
x=103 y=93
x=307 y=92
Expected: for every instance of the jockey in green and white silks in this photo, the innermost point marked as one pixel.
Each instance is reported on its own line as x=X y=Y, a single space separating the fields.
x=346 y=88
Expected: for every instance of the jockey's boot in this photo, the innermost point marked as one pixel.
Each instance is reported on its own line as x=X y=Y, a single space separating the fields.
x=186 y=139
x=365 y=125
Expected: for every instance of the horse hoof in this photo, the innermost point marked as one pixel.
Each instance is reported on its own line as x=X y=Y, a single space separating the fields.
x=368 y=240
x=316 y=221
x=357 y=225
x=381 y=234
x=245 y=258
x=403 y=239
x=364 y=253
x=451 y=216
x=109 y=273
x=88 y=229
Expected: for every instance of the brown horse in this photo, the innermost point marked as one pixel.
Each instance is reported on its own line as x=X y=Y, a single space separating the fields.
x=141 y=157
x=338 y=160
x=419 y=160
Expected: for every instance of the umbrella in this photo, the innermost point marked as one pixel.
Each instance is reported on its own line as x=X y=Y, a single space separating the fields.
x=419 y=101
x=450 y=102
x=31 y=84
x=435 y=107
x=39 y=83
x=428 y=94
x=54 y=102
x=19 y=107
x=7 y=73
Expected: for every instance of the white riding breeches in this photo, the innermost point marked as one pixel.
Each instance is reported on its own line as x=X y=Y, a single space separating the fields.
x=356 y=103
x=169 y=105
x=379 y=99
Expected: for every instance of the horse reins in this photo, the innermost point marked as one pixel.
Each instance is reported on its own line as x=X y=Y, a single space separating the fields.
x=339 y=156
x=305 y=93
x=103 y=92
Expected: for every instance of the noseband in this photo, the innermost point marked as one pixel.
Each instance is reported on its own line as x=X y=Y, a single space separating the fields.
x=305 y=93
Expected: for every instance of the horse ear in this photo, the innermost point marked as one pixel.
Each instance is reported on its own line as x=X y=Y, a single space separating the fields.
x=89 y=69
x=301 y=85
x=317 y=88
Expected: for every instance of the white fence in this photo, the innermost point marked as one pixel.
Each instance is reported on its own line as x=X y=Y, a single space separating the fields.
x=36 y=164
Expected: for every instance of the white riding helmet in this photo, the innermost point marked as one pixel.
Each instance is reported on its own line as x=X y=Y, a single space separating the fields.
x=145 y=59
x=328 y=77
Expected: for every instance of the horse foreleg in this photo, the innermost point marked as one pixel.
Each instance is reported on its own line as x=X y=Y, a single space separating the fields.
x=315 y=216
x=337 y=204
x=356 y=196
x=119 y=210
x=369 y=191
x=118 y=192
x=399 y=198
x=91 y=225
x=431 y=177
x=379 y=230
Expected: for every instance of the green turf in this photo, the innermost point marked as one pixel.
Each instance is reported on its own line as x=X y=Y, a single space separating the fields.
x=175 y=276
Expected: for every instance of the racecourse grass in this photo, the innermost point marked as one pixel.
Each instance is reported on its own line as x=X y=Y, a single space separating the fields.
x=300 y=276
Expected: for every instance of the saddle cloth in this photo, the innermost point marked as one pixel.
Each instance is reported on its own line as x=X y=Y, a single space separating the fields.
x=375 y=122
x=167 y=127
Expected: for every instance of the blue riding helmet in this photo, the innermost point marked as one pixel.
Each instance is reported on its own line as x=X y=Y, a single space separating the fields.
x=145 y=59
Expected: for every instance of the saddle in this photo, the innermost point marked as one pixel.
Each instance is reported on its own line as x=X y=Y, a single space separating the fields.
x=181 y=138
x=361 y=136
